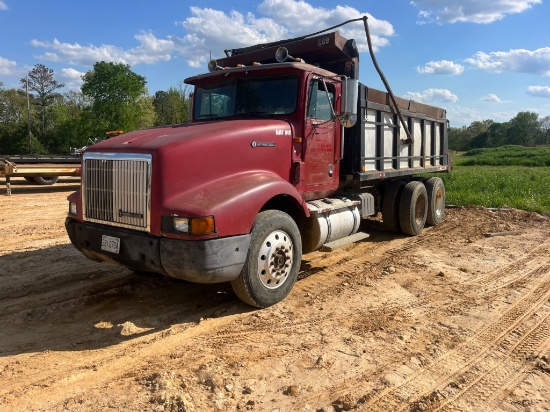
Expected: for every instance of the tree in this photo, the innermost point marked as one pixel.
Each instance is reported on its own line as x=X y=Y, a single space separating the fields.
x=171 y=106
x=70 y=126
x=479 y=127
x=523 y=129
x=544 y=137
x=115 y=91
x=14 y=137
x=41 y=80
x=465 y=138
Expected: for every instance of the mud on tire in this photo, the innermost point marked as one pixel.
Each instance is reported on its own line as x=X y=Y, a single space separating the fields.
x=414 y=208
x=436 y=201
x=390 y=206
x=273 y=260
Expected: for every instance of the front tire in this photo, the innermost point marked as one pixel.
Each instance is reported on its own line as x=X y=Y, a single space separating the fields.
x=273 y=260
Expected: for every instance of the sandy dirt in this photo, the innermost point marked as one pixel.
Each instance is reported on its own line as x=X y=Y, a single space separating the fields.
x=448 y=320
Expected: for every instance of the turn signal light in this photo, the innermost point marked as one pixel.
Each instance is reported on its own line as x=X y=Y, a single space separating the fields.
x=202 y=225
x=194 y=225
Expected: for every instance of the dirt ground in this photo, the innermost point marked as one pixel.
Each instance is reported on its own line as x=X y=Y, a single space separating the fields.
x=452 y=319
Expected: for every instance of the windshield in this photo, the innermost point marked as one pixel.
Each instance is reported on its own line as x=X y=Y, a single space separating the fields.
x=246 y=96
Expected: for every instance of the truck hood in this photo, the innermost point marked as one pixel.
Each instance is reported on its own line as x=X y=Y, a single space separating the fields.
x=171 y=137
x=193 y=164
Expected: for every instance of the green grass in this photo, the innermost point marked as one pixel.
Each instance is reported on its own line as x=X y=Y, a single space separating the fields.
x=507 y=156
x=512 y=186
x=512 y=176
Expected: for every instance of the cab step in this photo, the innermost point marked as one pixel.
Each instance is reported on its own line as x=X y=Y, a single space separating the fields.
x=329 y=247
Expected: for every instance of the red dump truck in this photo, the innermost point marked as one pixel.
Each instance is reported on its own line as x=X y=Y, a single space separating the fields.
x=285 y=153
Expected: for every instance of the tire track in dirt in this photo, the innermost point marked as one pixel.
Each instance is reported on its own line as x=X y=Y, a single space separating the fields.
x=99 y=367
x=424 y=239
x=498 y=372
x=511 y=270
x=459 y=367
x=392 y=399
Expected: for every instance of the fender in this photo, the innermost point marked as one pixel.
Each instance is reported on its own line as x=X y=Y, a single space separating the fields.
x=234 y=201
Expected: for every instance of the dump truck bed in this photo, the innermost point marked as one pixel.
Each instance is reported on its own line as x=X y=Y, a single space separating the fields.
x=377 y=147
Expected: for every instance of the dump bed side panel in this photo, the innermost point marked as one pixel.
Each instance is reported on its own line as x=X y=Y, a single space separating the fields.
x=376 y=147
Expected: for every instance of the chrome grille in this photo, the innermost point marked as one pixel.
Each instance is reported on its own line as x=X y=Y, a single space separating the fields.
x=117 y=189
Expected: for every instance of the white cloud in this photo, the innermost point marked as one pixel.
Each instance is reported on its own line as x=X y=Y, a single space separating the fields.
x=292 y=13
x=3 y=5
x=213 y=31
x=209 y=31
x=7 y=67
x=463 y=116
x=539 y=91
x=72 y=78
x=473 y=11
x=151 y=50
x=432 y=95
x=441 y=67
x=518 y=61
x=491 y=98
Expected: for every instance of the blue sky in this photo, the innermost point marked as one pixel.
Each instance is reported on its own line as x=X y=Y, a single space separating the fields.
x=486 y=59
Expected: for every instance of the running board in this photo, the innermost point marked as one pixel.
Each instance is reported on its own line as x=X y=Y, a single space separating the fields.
x=329 y=247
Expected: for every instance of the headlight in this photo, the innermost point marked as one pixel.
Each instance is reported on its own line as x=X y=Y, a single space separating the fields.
x=72 y=208
x=195 y=225
x=181 y=224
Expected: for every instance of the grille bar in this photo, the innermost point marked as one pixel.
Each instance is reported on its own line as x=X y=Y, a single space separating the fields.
x=117 y=189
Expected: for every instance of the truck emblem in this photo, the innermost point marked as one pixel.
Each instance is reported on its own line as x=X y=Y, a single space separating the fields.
x=255 y=144
x=123 y=213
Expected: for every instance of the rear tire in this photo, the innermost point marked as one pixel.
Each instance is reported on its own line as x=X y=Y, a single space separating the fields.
x=45 y=180
x=273 y=260
x=414 y=208
x=436 y=201
x=390 y=206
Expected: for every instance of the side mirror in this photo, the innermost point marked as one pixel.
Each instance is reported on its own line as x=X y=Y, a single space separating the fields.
x=350 y=94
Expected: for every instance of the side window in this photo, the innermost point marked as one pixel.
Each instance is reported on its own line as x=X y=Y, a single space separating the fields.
x=319 y=106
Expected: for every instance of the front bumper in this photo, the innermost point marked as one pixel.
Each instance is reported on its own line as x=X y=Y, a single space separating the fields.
x=199 y=261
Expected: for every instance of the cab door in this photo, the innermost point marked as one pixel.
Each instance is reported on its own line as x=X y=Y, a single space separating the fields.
x=319 y=145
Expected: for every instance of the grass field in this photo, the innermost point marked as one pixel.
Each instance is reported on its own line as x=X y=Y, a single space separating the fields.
x=499 y=177
x=507 y=156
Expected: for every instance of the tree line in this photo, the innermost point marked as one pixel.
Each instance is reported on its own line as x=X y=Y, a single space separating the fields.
x=37 y=119
x=525 y=129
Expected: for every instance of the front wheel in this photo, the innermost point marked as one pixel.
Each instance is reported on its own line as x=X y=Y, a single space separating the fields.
x=273 y=260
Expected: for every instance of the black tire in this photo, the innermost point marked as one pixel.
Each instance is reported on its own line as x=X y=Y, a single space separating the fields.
x=436 y=201
x=29 y=179
x=45 y=180
x=273 y=260
x=390 y=206
x=414 y=208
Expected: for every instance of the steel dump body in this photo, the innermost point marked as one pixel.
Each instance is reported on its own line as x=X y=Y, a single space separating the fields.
x=375 y=148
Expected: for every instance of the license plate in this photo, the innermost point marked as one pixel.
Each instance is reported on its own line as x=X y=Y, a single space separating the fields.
x=110 y=244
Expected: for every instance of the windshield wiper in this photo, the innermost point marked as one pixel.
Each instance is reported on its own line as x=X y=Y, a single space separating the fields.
x=209 y=116
x=254 y=113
